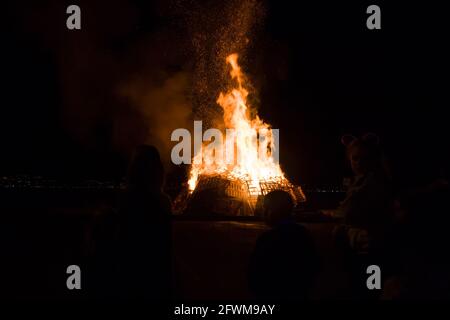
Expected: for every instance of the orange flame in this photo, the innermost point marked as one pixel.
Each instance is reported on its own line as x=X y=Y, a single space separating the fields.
x=248 y=165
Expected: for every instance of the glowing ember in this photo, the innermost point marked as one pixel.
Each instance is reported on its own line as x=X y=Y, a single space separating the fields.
x=249 y=165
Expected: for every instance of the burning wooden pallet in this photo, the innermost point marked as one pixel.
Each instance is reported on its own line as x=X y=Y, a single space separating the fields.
x=296 y=192
x=231 y=196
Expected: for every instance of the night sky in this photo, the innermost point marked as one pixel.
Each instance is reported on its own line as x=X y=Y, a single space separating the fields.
x=319 y=72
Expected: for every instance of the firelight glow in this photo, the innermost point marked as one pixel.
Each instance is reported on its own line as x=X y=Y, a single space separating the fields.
x=248 y=165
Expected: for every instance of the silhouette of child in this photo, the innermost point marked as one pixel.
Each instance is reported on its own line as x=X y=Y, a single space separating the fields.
x=367 y=206
x=284 y=261
x=366 y=211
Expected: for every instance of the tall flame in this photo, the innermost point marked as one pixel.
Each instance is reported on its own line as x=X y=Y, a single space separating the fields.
x=248 y=165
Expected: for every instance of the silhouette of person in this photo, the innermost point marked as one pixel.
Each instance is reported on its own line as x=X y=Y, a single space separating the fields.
x=366 y=210
x=284 y=262
x=144 y=235
x=136 y=240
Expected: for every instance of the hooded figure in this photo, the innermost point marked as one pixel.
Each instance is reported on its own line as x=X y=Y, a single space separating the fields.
x=133 y=243
x=144 y=229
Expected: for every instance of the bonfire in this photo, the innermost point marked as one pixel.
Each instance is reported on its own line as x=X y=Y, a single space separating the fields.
x=255 y=169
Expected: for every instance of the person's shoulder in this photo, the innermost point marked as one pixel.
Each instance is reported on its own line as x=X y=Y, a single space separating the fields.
x=266 y=236
x=295 y=231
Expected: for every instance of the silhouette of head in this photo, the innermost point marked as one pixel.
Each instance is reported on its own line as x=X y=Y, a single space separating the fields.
x=146 y=172
x=278 y=206
x=364 y=153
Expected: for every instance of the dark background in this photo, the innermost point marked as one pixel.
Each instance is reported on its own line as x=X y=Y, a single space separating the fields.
x=320 y=73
